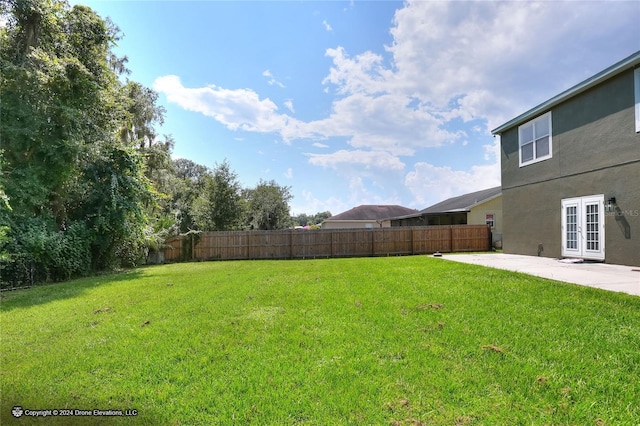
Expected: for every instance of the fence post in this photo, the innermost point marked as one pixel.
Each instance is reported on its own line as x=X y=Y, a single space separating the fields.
x=373 y=241
x=413 y=246
x=332 y=253
x=291 y=243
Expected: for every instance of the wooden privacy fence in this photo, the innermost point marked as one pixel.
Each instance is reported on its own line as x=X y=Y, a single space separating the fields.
x=301 y=244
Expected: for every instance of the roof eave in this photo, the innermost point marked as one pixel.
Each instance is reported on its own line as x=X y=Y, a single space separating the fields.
x=484 y=201
x=353 y=220
x=611 y=71
x=450 y=211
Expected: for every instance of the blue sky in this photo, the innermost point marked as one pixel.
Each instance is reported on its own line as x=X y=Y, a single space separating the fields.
x=349 y=103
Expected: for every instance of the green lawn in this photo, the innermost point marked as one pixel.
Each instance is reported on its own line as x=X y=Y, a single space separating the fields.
x=383 y=341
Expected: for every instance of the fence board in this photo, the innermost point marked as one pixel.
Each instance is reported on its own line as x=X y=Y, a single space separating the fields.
x=467 y=239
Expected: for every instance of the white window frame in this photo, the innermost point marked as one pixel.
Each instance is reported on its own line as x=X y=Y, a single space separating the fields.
x=536 y=137
x=636 y=91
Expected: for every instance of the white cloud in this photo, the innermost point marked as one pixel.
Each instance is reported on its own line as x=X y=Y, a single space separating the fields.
x=384 y=122
x=327 y=26
x=364 y=159
x=289 y=173
x=239 y=109
x=493 y=56
x=272 y=79
x=360 y=193
x=430 y=184
x=320 y=145
x=311 y=204
x=363 y=74
x=289 y=104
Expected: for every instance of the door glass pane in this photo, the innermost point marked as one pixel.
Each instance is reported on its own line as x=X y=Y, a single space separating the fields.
x=593 y=232
x=572 y=227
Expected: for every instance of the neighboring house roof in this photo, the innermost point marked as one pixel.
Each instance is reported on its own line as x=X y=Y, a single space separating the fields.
x=463 y=203
x=615 y=69
x=372 y=212
x=459 y=204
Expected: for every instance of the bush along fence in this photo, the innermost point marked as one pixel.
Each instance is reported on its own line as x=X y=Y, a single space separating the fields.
x=325 y=243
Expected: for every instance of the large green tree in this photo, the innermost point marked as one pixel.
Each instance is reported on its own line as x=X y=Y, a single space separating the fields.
x=187 y=185
x=76 y=187
x=304 y=219
x=267 y=206
x=219 y=208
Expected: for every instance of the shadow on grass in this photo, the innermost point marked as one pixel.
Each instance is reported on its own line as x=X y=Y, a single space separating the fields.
x=46 y=293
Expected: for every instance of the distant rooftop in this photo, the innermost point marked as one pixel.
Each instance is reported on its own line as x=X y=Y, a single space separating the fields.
x=373 y=212
x=463 y=203
x=459 y=204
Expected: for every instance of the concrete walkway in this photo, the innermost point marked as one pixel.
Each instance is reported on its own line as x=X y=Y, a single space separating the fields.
x=599 y=275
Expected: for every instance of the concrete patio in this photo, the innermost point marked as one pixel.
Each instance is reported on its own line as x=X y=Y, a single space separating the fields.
x=605 y=276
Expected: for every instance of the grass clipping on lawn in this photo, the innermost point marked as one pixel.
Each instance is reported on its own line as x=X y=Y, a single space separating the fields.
x=398 y=341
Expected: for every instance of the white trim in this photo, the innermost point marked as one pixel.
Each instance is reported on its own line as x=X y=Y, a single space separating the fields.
x=636 y=86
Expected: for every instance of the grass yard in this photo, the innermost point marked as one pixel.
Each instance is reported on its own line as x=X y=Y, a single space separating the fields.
x=383 y=341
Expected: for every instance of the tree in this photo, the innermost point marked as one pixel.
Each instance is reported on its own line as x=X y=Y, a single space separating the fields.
x=78 y=192
x=267 y=206
x=58 y=96
x=219 y=207
x=112 y=204
x=320 y=217
x=142 y=114
x=302 y=219
x=187 y=185
x=305 y=219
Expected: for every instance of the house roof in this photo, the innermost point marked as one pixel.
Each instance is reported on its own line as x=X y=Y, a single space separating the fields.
x=463 y=203
x=372 y=212
x=615 y=69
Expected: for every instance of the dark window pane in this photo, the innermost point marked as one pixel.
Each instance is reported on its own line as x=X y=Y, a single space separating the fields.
x=527 y=152
x=542 y=127
x=542 y=147
x=526 y=134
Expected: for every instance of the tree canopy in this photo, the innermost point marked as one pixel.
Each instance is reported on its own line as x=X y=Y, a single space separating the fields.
x=268 y=206
x=74 y=189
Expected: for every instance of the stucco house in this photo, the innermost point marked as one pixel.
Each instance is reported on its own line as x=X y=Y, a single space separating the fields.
x=366 y=216
x=475 y=208
x=571 y=171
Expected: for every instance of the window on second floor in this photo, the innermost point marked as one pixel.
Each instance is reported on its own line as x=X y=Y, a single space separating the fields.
x=534 y=140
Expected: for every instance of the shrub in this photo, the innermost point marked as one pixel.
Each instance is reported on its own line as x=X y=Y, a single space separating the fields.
x=39 y=252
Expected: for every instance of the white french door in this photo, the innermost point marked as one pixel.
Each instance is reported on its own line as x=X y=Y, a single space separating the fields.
x=583 y=227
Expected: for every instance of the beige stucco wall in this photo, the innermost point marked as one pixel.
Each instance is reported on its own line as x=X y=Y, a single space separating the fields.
x=477 y=216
